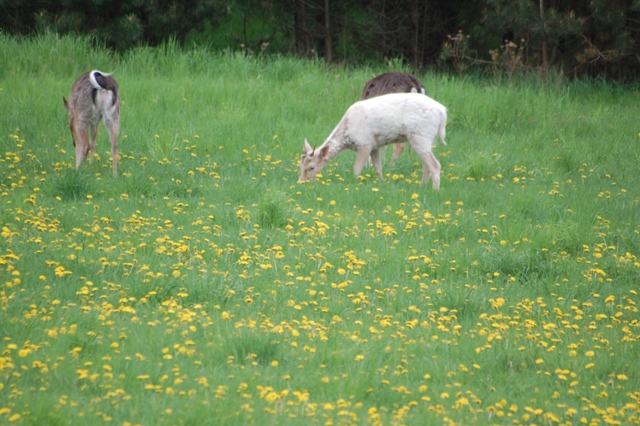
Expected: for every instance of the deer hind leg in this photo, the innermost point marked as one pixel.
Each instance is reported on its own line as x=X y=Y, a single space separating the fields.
x=397 y=150
x=430 y=165
x=430 y=168
x=113 y=126
x=361 y=160
x=93 y=133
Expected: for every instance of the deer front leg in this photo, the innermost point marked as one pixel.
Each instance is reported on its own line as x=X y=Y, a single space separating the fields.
x=361 y=160
x=377 y=162
x=82 y=146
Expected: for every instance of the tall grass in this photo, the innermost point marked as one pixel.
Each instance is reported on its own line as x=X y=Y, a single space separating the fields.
x=205 y=285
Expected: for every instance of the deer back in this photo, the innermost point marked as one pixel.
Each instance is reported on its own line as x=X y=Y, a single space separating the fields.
x=392 y=82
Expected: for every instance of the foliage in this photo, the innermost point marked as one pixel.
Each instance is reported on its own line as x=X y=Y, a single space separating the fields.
x=204 y=285
x=596 y=38
x=117 y=24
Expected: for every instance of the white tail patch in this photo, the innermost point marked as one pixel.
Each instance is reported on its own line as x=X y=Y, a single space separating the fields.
x=94 y=81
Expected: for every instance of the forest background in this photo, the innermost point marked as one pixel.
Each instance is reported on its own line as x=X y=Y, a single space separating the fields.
x=596 y=38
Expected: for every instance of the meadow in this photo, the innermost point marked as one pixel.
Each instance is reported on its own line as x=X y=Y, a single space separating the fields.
x=205 y=285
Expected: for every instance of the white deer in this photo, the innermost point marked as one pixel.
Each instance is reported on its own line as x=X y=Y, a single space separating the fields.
x=373 y=123
x=392 y=82
x=94 y=97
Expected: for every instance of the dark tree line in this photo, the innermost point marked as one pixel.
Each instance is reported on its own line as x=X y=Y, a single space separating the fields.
x=592 y=37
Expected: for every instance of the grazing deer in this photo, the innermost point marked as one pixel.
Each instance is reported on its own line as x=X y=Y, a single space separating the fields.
x=392 y=82
x=94 y=97
x=371 y=124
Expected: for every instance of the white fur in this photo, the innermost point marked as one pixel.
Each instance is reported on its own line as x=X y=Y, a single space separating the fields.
x=373 y=123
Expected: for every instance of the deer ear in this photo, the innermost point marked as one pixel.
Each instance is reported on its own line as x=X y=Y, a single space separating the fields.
x=307 y=148
x=324 y=151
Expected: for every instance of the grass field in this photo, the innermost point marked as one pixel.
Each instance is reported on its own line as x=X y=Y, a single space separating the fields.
x=204 y=285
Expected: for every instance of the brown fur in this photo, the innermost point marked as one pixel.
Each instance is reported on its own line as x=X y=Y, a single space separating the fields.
x=89 y=103
x=392 y=82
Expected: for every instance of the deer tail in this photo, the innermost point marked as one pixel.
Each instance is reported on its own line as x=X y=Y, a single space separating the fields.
x=102 y=80
x=443 y=124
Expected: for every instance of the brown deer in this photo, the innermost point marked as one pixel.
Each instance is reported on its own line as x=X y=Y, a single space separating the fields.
x=392 y=82
x=94 y=97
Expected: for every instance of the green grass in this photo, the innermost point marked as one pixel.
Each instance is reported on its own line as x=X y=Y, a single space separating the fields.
x=204 y=285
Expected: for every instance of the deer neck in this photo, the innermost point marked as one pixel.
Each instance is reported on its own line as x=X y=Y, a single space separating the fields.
x=337 y=141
